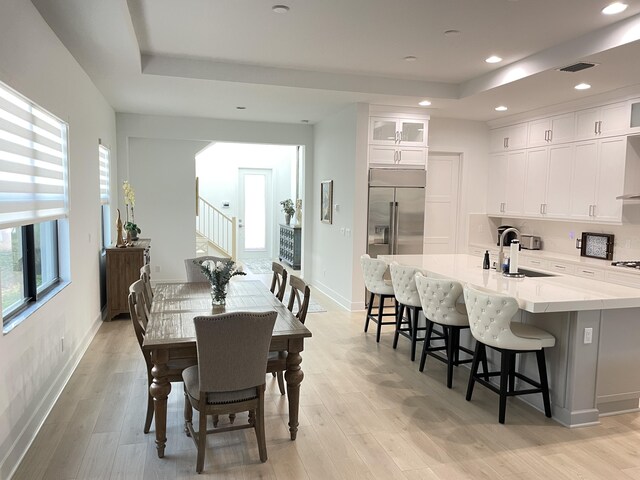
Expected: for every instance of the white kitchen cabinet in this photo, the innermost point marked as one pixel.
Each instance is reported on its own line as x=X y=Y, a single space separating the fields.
x=397 y=157
x=634 y=116
x=604 y=121
x=496 y=188
x=398 y=131
x=514 y=195
x=513 y=137
x=598 y=178
x=535 y=184
x=547 y=181
x=551 y=130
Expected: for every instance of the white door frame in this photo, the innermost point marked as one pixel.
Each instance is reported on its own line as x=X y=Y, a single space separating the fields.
x=267 y=252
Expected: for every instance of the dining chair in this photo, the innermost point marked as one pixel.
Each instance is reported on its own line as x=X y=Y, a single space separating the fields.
x=139 y=319
x=279 y=280
x=232 y=353
x=373 y=270
x=298 y=305
x=194 y=273
x=145 y=276
x=490 y=316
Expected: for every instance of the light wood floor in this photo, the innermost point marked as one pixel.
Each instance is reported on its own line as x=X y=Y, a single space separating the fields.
x=366 y=412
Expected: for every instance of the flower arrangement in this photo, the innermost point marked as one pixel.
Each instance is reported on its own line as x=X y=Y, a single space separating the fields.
x=130 y=200
x=219 y=273
x=287 y=208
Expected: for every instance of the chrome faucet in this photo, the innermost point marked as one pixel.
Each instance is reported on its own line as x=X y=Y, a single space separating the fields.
x=501 y=252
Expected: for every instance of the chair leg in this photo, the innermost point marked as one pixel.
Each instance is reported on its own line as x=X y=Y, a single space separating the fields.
x=380 y=312
x=450 y=355
x=505 y=361
x=188 y=413
x=259 y=426
x=280 y=378
x=202 y=440
x=542 y=370
x=147 y=421
x=366 y=322
x=426 y=345
x=414 y=332
x=399 y=313
x=474 y=369
x=512 y=373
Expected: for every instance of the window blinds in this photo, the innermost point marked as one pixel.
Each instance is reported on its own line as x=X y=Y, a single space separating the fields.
x=104 y=154
x=33 y=162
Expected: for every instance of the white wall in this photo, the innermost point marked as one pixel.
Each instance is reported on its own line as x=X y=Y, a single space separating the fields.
x=33 y=367
x=217 y=168
x=182 y=136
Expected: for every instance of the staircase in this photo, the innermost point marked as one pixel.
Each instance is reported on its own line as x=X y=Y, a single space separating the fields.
x=214 y=230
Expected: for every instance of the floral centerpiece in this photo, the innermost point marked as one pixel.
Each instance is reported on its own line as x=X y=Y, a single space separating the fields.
x=130 y=200
x=287 y=208
x=219 y=274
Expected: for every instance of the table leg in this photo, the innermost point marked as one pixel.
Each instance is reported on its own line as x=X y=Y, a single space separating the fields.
x=293 y=376
x=160 y=389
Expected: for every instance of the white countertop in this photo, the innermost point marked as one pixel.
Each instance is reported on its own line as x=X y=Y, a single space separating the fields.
x=559 y=293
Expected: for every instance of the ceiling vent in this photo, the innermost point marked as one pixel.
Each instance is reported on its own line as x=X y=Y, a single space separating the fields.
x=576 y=67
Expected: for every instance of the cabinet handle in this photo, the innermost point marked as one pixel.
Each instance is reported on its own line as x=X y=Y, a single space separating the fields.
x=504 y=142
x=541 y=209
x=534 y=262
x=594 y=210
x=396 y=141
x=502 y=207
x=595 y=128
x=395 y=156
x=560 y=267
x=550 y=135
x=507 y=139
x=400 y=156
x=588 y=272
x=600 y=127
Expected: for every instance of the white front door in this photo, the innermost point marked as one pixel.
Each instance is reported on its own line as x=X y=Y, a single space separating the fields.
x=255 y=221
x=441 y=203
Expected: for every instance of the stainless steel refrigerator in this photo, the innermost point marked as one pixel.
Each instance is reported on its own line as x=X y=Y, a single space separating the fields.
x=396 y=212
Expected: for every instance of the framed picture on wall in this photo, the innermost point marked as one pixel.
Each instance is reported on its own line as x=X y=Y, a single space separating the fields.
x=326 y=201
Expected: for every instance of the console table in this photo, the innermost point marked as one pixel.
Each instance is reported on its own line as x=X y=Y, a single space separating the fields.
x=123 y=268
x=290 y=245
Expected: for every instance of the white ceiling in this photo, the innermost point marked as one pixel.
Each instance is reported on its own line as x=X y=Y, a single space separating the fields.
x=206 y=57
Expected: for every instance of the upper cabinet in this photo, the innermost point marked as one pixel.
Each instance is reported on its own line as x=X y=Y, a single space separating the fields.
x=398 y=131
x=513 y=137
x=604 y=121
x=552 y=130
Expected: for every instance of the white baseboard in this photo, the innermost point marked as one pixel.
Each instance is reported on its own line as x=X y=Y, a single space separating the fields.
x=336 y=297
x=18 y=450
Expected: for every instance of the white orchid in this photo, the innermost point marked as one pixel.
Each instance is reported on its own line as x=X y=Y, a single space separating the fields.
x=129 y=194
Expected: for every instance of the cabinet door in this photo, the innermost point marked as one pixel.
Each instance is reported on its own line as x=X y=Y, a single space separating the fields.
x=516 y=162
x=496 y=184
x=558 y=199
x=382 y=155
x=535 y=184
x=517 y=136
x=611 y=163
x=583 y=182
x=497 y=139
x=413 y=132
x=615 y=119
x=411 y=156
x=563 y=128
x=587 y=123
x=383 y=131
x=538 y=132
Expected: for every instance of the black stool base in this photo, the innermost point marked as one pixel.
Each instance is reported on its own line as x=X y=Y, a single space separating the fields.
x=377 y=316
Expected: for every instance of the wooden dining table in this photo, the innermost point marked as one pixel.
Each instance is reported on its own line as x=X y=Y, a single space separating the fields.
x=171 y=335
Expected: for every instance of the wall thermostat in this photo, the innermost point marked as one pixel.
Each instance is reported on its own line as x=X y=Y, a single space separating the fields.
x=225 y=204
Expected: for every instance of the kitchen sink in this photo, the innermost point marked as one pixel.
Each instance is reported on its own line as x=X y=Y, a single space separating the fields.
x=533 y=273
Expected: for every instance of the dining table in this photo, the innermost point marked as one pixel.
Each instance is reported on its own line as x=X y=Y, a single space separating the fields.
x=170 y=335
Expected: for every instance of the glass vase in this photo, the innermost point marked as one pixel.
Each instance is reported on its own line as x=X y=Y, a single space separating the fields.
x=218 y=295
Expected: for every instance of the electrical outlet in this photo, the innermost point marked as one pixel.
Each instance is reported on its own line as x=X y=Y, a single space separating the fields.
x=588 y=335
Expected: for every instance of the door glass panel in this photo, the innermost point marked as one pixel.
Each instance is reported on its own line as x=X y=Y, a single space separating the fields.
x=11 y=268
x=255 y=212
x=384 y=130
x=412 y=132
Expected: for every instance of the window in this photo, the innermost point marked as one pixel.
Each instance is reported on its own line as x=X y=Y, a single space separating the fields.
x=104 y=156
x=33 y=197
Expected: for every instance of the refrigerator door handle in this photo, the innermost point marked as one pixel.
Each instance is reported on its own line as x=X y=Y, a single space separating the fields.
x=397 y=230
x=392 y=229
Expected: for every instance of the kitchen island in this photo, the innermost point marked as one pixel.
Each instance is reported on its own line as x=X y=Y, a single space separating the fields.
x=586 y=380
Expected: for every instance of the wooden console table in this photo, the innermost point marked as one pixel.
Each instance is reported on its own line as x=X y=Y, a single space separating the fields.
x=123 y=268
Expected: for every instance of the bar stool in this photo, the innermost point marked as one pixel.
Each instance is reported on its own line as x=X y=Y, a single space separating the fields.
x=490 y=317
x=406 y=293
x=373 y=270
x=439 y=298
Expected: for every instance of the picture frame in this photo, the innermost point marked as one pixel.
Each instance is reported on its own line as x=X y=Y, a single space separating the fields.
x=326 y=201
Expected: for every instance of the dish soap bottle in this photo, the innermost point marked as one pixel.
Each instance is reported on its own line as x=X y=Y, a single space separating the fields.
x=485 y=262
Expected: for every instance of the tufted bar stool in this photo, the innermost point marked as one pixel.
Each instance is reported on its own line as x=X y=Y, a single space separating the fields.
x=373 y=271
x=439 y=298
x=407 y=298
x=490 y=317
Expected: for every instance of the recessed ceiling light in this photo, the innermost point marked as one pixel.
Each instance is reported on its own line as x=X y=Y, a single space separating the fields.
x=410 y=58
x=424 y=103
x=501 y=108
x=241 y=108
x=452 y=33
x=615 y=7
x=582 y=86
x=493 y=59
x=280 y=8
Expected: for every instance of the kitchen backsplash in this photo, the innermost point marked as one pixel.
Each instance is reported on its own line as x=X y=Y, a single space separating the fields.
x=558 y=237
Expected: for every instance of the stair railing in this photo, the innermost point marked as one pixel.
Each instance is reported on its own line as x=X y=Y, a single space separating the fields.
x=217 y=227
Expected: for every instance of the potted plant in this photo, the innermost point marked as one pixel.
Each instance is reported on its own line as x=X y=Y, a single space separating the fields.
x=287 y=208
x=130 y=199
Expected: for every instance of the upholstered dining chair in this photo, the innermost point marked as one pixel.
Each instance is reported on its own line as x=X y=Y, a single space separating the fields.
x=139 y=319
x=145 y=276
x=298 y=305
x=490 y=316
x=232 y=353
x=439 y=298
x=279 y=280
x=373 y=270
x=194 y=274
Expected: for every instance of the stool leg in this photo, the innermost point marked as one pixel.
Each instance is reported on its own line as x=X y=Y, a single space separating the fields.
x=380 y=312
x=426 y=345
x=450 y=355
x=474 y=369
x=542 y=370
x=366 y=323
x=485 y=365
x=399 y=313
x=414 y=332
x=512 y=373
x=505 y=361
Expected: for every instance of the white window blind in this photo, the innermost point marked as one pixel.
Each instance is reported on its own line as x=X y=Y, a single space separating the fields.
x=33 y=162
x=104 y=156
